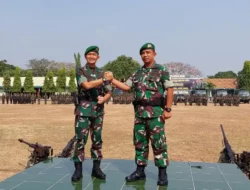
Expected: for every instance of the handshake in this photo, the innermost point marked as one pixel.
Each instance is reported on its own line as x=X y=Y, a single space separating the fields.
x=108 y=75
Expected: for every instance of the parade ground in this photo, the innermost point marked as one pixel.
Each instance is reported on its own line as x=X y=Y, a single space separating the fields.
x=193 y=132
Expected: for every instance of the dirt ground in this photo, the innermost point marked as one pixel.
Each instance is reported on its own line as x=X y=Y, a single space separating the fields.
x=193 y=133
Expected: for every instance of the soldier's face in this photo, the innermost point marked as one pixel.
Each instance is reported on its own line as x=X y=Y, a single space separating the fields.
x=92 y=58
x=148 y=56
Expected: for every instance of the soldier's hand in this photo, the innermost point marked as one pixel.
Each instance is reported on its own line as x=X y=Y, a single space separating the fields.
x=101 y=99
x=108 y=75
x=166 y=115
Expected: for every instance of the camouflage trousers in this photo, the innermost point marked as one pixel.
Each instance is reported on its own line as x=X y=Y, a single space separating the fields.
x=150 y=129
x=84 y=125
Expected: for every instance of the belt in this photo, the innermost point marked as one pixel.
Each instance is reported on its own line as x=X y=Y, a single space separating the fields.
x=157 y=102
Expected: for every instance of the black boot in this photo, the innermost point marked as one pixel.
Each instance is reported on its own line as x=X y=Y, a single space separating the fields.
x=96 y=171
x=138 y=174
x=78 y=172
x=162 y=177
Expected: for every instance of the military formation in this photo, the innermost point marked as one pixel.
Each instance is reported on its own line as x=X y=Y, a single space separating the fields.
x=202 y=100
x=62 y=99
x=18 y=98
x=228 y=100
x=32 y=98
x=197 y=100
x=125 y=98
x=191 y=99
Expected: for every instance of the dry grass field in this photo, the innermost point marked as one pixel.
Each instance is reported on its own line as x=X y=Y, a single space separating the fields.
x=193 y=133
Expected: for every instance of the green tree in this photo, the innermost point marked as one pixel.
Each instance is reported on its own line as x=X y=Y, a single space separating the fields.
x=77 y=60
x=46 y=83
x=51 y=85
x=39 y=67
x=6 y=82
x=244 y=76
x=210 y=86
x=4 y=67
x=224 y=74
x=72 y=84
x=123 y=67
x=61 y=80
x=17 y=81
x=23 y=72
x=28 y=85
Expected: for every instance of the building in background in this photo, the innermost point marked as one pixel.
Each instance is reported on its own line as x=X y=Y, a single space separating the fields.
x=223 y=82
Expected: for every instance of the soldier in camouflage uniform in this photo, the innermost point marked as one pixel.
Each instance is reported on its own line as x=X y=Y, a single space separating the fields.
x=39 y=99
x=175 y=99
x=94 y=90
x=236 y=100
x=7 y=98
x=3 y=99
x=151 y=107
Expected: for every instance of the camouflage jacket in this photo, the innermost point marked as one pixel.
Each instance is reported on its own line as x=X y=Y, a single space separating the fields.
x=88 y=98
x=149 y=84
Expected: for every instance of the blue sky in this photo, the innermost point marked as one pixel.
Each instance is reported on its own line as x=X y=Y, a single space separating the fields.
x=213 y=35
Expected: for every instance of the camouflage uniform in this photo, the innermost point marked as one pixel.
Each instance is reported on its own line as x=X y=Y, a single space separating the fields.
x=89 y=114
x=149 y=85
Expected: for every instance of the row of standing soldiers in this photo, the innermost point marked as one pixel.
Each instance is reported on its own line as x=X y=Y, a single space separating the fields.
x=17 y=98
x=125 y=98
x=191 y=99
x=62 y=99
x=23 y=98
x=228 y=100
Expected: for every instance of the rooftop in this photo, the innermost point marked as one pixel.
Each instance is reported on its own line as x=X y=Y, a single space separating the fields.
x=223 y=82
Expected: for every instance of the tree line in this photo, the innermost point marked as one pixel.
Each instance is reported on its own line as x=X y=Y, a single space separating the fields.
x=243 y=76
x=48 y=85
x=122 y=67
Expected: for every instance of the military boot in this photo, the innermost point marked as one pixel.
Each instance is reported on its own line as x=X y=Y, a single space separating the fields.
x=138 y=174
x=96 y=171
x=78 y=172
x=162 y=177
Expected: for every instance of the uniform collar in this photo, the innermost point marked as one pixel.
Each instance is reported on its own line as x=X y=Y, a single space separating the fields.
x=88 y=67
x=152 y=67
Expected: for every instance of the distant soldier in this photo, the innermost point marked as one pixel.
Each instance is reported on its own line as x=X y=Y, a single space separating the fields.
x=215 y=100
x=52 y=99
x=221 y=100
x=7 y=98
x=185 y=99
x=204 y=100
x=228 y=100
x=21 y=99
x=16 y=98
x=11 y=98
x=32 y=98
x=3 y=99
x=38 y=99
x=236 y=100
x=45 y=98
x=175 y=100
